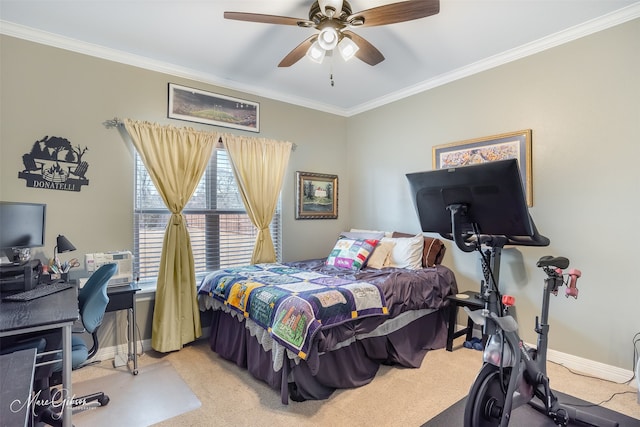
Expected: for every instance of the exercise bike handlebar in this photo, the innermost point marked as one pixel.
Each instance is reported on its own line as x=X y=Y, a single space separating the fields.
x=467 y=242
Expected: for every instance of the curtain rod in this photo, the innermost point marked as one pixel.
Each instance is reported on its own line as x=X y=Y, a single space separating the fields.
x=116 y=122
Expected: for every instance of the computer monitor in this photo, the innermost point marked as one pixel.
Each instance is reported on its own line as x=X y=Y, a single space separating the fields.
x=489 y=196
x=22 y=225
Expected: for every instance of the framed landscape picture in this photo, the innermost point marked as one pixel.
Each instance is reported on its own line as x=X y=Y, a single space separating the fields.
x=316 y=196
x=195 y=105
x=514 y=145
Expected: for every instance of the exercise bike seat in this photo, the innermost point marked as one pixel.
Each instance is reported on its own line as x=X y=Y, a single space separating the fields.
x=550 y=261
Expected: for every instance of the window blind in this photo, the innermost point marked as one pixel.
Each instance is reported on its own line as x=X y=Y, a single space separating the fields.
x=221 y=232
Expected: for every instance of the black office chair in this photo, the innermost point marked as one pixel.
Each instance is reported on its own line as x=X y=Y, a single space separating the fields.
x=92 y=303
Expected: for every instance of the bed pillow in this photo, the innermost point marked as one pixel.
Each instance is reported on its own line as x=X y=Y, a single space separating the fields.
x=407 y=251
x=351 y=254
x=357 y=230
x=373 y=235
x=433 y=252
x=381 y=256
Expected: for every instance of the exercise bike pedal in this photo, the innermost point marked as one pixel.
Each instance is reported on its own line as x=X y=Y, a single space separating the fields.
x=573 y=414
x=558 y=419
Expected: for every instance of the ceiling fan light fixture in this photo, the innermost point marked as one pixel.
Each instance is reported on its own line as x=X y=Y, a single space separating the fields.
x=333 y=19
x=347 y=48
x=316 y=53
x=330 y=7
x=328 y=38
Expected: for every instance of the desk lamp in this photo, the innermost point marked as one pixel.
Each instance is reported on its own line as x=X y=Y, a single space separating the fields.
x=62 y=245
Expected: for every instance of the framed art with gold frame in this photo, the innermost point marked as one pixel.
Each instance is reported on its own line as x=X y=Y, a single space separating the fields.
x=513 y=145
x=316 y=196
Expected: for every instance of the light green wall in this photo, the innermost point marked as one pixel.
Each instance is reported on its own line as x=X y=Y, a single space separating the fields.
x=580 y=100
x=49 y=91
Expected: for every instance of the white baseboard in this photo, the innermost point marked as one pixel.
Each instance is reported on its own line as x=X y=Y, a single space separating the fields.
x=586 y=366
x=575 y=363
x=590 y=367
x=119 y=352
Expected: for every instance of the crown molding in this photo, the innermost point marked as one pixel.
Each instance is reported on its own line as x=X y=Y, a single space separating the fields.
x=590 y=27
x=587 y=28
x=73 y=45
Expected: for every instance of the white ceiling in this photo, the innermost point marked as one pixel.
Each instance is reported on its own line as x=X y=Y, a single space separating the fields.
x=192 y=39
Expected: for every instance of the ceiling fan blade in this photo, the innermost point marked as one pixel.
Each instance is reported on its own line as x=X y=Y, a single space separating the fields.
x=298 y=52
x=267 y=19
x=366 y=52
x=395 y=12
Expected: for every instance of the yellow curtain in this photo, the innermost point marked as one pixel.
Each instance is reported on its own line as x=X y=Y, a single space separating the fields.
x=175 y=158
x=259 y=166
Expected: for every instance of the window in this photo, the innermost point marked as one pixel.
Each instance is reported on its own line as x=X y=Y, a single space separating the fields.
x=221 y=232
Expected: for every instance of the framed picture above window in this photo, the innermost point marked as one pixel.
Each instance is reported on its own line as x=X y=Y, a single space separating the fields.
x=195 y=105
x=514 y=145
x=316 y=196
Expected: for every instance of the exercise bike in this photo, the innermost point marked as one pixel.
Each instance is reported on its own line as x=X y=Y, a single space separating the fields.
x=483 y=208
x=514 y=374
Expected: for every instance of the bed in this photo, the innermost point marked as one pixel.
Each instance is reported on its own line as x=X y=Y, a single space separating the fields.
x=310 y=327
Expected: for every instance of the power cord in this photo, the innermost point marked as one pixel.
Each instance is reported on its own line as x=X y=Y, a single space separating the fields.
x=636 y=354
x=591 y=376
x=590 y=405
x=136 y=329
x=141 y=342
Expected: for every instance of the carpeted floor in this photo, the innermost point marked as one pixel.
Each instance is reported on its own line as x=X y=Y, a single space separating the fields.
x=230 y=396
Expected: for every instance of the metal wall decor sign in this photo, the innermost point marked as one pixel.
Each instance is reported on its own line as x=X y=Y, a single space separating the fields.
x=54 y=164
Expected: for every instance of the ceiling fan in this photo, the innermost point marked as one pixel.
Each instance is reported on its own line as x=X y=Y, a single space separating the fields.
x=334 y=19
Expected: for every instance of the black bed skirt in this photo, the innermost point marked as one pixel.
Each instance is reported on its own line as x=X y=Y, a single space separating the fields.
x=351 y=366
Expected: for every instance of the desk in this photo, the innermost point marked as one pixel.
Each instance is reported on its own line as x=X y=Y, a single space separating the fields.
x=55 y=311
x=16 y=372
x=465 y=299
x=124 y=298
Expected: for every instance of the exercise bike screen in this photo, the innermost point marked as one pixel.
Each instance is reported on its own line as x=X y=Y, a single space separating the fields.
x=491 y=192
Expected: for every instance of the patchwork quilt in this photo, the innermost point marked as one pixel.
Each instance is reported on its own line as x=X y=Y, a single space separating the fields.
x=293 y=304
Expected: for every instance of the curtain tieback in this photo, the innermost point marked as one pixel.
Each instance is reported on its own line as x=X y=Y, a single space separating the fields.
x=261 y=233
x=176 y=219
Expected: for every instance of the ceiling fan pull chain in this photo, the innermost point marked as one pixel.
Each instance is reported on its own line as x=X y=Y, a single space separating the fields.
x=331 y=72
